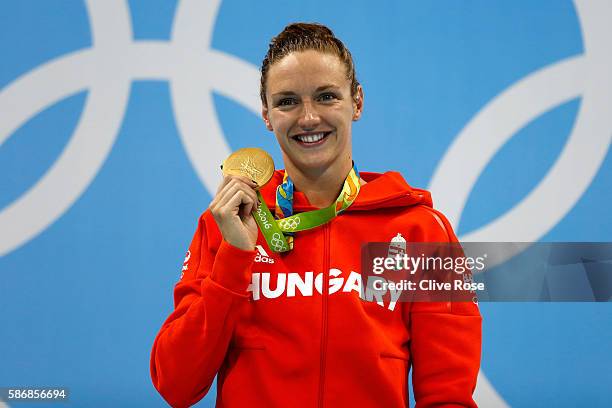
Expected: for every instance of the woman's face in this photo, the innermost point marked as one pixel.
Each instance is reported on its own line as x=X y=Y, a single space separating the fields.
x=310 y=109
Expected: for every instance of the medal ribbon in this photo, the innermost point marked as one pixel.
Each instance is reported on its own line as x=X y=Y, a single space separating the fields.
x=279 y=232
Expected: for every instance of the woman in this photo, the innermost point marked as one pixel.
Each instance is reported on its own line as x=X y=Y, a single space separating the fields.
x=290 y=328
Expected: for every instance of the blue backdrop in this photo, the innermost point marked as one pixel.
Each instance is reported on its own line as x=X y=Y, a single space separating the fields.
x=114 y=117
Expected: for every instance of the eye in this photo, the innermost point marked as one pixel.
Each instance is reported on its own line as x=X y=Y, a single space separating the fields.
x=328 y=96
x=286 y=102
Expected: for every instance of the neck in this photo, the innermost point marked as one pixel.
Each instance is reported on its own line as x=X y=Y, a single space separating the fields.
x=321 y=187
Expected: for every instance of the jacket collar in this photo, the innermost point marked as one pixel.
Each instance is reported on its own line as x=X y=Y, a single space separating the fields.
x=382 y=190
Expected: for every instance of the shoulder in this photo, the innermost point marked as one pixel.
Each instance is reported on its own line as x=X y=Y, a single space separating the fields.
x=425 y=223
x=392 y=202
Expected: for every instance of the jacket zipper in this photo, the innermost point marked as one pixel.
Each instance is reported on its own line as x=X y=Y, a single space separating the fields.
x=324 y=300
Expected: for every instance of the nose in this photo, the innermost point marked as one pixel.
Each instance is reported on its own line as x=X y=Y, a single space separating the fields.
x=309 y=117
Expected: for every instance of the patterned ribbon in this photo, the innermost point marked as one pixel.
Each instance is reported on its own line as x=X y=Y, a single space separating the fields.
x=284 y=204
x=279 y=232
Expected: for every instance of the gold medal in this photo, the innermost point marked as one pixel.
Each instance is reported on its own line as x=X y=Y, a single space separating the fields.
x=251 y=162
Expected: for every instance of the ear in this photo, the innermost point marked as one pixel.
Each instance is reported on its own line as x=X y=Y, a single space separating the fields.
x=358 y=103
x=266 y=118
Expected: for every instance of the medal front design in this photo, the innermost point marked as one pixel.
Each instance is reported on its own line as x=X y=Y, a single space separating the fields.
x=251 y=162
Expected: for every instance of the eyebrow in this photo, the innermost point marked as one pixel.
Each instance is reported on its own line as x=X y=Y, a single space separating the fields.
x=319 y=89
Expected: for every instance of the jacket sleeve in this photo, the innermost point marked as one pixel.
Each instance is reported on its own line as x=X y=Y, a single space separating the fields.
x=445 y=343
x=192 y=343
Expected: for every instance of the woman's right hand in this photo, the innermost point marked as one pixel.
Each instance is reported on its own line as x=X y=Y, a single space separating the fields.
x=231 y=208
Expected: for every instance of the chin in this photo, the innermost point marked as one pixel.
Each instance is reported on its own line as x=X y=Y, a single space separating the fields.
x=316 y=167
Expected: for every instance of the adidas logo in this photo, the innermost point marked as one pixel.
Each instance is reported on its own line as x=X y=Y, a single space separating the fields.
x=262 y=255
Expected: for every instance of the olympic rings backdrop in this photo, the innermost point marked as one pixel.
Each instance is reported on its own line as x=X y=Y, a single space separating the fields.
x=115 y=115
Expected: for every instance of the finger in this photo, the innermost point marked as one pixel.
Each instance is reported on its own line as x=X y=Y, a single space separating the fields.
x=227 y=179
x=235 y=185
x=250 y=206
x=214 y=204
x=232 y=190
x=236 y=203
x=246 y=209
x=224 y=182
x=247 y=184
x=227 y=191
x=246 y=180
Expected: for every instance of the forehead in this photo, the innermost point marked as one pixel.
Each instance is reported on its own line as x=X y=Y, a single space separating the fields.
x=306 y=69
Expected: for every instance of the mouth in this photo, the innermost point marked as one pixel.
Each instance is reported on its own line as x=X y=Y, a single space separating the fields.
x=311 y=139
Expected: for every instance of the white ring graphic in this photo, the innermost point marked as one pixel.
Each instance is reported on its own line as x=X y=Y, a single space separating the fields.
x=289 y=223
x=107 y=70
x=587 y=76
x=94 y=135
x=277 y=243
x=582 y=156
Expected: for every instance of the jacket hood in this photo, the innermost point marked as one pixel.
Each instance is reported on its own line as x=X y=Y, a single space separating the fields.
x=382 y=190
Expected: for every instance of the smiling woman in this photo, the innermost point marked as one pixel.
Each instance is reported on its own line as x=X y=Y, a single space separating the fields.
x=297 y=328
x=310 y=107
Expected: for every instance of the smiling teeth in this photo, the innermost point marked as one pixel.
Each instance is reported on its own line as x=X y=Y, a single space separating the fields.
x=311 y=138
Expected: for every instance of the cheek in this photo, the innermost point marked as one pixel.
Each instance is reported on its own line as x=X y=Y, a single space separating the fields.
x=281 y=140
x=342 y=117
x=278 y=120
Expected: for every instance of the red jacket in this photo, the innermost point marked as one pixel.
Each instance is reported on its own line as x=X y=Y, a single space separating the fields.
x=277 y=342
